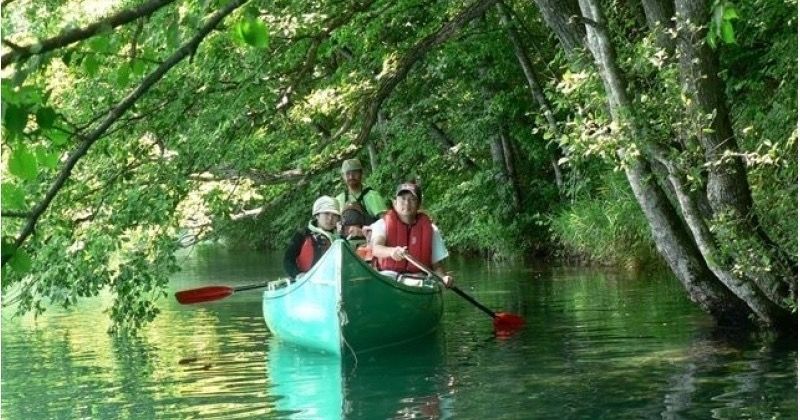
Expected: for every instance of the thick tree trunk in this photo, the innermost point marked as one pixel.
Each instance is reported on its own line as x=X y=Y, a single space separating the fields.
x=560 y=17
x=659 y=14
x=498 y=158
x=671 y=238
x=758 y=302
x=727 y=179
x=679 y=251
x=535 y=89
x=728 y=189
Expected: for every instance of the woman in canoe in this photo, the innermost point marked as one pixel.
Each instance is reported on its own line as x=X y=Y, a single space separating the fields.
x=308 y=245
x=404 y=229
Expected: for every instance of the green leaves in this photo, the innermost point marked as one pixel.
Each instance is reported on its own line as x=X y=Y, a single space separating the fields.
x=18 y=259
x=13 y=197
x=23 y=163
x=15 y=119
x=46 y=117
x=123 y=75
x=252 y=32
x=90 y=65
x=721 y=26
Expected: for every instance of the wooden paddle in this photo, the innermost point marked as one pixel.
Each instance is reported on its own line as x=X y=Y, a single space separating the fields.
x=211 y=293
x=504 y=323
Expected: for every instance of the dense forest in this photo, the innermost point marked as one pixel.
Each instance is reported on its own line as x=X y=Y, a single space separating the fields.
x=631 y=133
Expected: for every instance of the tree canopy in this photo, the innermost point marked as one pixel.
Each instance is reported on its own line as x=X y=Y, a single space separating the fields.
x=621 y=131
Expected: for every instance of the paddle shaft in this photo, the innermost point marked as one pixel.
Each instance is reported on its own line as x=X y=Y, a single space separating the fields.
x=472 y=300
x=249 y=287
x=458 y=291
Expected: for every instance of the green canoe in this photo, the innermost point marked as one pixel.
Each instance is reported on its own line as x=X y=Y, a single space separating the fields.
x=342 y=305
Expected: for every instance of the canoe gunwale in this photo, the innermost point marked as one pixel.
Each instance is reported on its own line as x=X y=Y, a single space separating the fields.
x=425 y=289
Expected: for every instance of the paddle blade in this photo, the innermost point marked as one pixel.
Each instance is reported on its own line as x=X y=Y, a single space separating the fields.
x=506 y=324
x=203 y=294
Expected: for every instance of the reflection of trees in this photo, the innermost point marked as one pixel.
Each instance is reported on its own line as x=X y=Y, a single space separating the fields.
x=725 y=374
x=604 y=345
x=190 y=362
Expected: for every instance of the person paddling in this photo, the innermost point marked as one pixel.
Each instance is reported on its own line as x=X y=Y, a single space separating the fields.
x=308 y=245
x=404 y=229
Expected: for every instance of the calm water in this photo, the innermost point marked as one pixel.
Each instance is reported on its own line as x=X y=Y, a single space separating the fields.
x=597 y=345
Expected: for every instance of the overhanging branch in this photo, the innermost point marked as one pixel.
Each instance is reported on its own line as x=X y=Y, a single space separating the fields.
x=69 y=37
x=115 y=113
x=415 y=54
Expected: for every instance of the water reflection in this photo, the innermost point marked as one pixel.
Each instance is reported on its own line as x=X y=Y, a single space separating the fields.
x=406 y=381
x=596 y=345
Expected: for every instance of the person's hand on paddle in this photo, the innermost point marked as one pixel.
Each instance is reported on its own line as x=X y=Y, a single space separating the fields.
x=448 y=281
x=398 y=253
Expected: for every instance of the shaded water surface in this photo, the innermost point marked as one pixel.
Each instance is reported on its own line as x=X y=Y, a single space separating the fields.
x=597 y=345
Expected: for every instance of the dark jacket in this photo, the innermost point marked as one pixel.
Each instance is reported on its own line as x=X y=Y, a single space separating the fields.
x=319 y=242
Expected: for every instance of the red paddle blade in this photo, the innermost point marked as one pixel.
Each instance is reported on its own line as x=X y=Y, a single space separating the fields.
x=203 y=294
x=506 y=324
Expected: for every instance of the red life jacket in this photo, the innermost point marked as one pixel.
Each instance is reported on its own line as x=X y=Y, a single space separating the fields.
x=310 y=254
x=417 y=238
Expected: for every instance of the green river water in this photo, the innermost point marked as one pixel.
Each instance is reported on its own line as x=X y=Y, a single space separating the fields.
x=597 y=344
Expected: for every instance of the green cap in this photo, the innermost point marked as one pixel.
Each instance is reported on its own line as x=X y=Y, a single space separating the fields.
x=351 y=165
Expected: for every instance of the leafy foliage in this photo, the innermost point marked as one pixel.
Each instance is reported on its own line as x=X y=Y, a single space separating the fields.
x=234 y=143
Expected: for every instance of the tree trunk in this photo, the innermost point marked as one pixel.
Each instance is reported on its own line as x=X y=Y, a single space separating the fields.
x=496 y=141
x=498 y=158
x=511 y=168
x=728 y=189
x=659 y=14
x=373 y=157
x=535 y=89
x=446 y=144
x=676 y=246
x=559 y=16
x=671 y=238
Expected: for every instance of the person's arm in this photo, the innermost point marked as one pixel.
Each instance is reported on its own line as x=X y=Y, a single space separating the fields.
x=449 y=281
x=291 y=253
x=439 y=254
x=380 y=250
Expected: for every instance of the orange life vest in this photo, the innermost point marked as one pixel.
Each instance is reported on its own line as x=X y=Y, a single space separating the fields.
x=417 y=238
x=310 y=254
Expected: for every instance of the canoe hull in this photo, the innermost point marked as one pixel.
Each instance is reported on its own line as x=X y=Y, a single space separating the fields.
x=342 y=305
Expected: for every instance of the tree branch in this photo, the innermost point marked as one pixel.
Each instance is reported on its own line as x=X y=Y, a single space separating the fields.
x=18 y=214
x=115 y=113
x=415 y=54
x=258 y=178
x=75 y=35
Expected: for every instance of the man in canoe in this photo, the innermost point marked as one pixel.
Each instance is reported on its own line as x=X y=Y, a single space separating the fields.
x=371 y=204
x=405 y=230
x=308 y=245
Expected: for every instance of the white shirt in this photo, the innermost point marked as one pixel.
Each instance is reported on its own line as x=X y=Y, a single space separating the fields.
x=438 y=250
